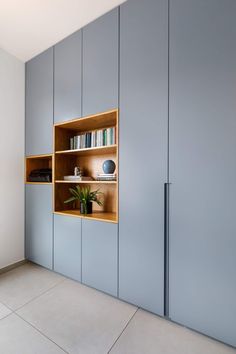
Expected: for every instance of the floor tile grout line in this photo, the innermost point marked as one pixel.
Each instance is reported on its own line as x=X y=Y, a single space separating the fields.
x=127 y=324
x=36 y=297
x=39 y=331
x=2 y=318
x=6 y=306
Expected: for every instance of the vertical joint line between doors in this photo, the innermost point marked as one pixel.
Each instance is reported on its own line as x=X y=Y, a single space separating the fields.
x=81 y=251
x=168 y=93
x=118 y=240
x=82 y=77
x=167 y=185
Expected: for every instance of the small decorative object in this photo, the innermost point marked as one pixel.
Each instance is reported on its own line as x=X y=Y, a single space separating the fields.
x=85 y=196
x=109 y=166
x=77 y=171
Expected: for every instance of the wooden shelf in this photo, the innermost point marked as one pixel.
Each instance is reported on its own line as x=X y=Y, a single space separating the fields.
x=100 y=216
x=99 y=150
x=96 y=121
x=38 y=182
x=86 y=182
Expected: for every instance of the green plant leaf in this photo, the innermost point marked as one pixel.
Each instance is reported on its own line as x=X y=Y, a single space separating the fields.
x=84 y=195
x=72 y=199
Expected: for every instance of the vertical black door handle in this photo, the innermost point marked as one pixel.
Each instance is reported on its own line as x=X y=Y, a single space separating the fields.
x=166 y=248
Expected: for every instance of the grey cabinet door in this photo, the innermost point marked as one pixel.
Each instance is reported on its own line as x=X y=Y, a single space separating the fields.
x=67 y=246
x=202 y=166
x=68 y=78
x=39 y=104
x=39 y=228
x=100 y=64
x=143 y=151
x=99 y=255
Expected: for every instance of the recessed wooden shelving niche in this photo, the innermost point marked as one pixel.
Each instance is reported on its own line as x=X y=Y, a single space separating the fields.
x=38 y=162
x=90 y=160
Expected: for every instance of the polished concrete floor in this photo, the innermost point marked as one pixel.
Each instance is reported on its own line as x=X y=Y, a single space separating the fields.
x=42 y=312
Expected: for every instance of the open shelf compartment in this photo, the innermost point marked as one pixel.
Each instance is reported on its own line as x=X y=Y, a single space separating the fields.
x=37 y=162
x=90 y=161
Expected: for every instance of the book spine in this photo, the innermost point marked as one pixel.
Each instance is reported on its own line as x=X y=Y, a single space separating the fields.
x=104 y=137
x=90 y=139
x=109 y=136
x=78 y=142
x=99 y=137
x=71 y=143
x=112 y=136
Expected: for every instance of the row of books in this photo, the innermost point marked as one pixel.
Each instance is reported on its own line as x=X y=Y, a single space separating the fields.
x=102 y=137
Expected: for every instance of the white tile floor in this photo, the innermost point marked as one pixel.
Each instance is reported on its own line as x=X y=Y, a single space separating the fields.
x=42 y=312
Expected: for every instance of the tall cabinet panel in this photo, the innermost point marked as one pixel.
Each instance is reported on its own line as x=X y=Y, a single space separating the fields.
x=143 y=151
x=99 y=255
x=202 y=166
x=67 y=246
x=67 y=78
x=100 y=64
x=39 y=104
x=39 y=239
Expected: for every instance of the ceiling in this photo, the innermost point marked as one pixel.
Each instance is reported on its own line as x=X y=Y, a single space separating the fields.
x=28 y=27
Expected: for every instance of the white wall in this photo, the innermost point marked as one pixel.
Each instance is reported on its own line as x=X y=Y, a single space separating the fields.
x=12 y=81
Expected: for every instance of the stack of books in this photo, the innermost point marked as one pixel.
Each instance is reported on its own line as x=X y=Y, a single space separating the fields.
x=102 y=137
x=106 y=177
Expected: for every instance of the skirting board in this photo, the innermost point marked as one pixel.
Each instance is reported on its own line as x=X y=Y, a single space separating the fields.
x=12 y=266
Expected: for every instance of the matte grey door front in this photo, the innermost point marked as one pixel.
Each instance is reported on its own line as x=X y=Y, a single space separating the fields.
x=67 y=246
x=100 y=64
x=99 y=255
x=39 y=233
x=143 y=151
x=39 y=104
x=68 y=78
x=203 y=166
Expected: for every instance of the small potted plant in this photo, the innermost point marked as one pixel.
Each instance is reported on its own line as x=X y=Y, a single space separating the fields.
x=86 y=197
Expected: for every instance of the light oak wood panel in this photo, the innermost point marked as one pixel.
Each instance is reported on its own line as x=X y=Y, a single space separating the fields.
x=99 y=216
x=98 y=150
x=87 y=182
x=96 y=121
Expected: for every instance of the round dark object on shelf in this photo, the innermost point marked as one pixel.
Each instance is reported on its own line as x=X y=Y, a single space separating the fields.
x=109 y=166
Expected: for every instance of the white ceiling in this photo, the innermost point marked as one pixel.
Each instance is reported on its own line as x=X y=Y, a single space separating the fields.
x=28 y=27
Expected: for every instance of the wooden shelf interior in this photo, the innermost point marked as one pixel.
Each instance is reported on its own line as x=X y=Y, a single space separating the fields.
x=36 y=163
x=91 y=165
x=64 y=131
x=90 y=160
x=109 y=197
